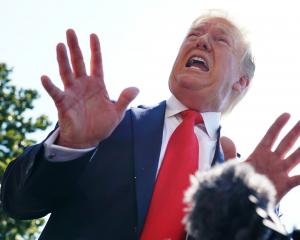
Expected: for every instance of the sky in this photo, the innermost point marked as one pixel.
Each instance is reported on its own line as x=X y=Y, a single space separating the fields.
x=140 y=40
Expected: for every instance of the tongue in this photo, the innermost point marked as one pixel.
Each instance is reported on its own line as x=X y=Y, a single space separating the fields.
x=199 y=65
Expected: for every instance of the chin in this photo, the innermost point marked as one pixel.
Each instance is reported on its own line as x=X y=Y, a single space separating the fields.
x=194 y=100
x=193 y=83
x=187 y=99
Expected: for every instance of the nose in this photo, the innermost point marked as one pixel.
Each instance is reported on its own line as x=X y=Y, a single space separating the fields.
x=204 y=43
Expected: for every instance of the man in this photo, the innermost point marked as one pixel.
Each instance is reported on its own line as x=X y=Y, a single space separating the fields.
x=99 y=171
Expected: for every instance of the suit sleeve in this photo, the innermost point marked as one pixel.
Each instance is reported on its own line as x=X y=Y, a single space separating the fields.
x=32 y=186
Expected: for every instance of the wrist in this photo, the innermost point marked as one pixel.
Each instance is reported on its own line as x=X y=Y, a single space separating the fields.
x=73 y=144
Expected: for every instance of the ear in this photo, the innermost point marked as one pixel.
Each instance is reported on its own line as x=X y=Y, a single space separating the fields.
x=241 y=85
x=228 y=147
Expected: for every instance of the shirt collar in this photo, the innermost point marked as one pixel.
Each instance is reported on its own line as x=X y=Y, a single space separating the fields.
x=211 y=119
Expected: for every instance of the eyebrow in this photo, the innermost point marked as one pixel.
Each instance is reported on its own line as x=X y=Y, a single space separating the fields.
x=220 y=27
x=225 y=30
x=197 y=29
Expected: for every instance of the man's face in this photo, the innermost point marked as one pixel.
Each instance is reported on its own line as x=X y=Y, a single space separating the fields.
x=207 y=69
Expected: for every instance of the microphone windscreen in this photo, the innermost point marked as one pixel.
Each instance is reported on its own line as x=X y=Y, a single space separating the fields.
x=218 y=201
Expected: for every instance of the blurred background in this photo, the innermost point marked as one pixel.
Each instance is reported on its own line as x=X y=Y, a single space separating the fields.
x=140 y=40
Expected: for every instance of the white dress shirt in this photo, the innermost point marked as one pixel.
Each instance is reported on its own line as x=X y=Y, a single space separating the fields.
x=206 y=134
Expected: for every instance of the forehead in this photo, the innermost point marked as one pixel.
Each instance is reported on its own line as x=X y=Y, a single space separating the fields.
x=222 y=25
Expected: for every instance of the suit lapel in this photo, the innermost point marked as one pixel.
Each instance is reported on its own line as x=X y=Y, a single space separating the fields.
x=147 y=136
x=219 y=155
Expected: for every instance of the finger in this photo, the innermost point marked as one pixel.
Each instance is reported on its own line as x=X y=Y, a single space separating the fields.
x=63 y=64
x=289 y=140
x=76 y=55
x=292 y=160
x=228 y=147
x=273 y=132
x=55 y=93
x=96 y=59
x=125 y=98
x=294 y=181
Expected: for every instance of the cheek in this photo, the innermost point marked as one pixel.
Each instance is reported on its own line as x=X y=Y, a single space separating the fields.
x=230 y=70
x=182 y=54
x=172 y=82
x=177 y=64
x=228 y=75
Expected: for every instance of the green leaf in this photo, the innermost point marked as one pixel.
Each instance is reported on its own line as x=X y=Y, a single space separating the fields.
x=14 y=128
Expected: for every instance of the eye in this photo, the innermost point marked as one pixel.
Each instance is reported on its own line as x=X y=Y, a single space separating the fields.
x=193 y=35
x=222 y=40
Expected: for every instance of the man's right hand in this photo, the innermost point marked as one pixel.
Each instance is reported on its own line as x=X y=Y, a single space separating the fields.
x=86 y=115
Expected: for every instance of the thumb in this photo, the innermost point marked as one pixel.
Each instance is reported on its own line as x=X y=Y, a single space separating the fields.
x=126 y=97
x=228 y=147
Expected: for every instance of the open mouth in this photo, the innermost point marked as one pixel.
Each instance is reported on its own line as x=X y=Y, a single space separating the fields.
x=197 y=63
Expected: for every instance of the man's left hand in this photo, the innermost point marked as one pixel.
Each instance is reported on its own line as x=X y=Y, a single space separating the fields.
x=274 y=164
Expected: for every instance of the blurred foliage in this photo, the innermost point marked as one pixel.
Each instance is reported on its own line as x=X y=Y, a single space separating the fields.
x=14 y=126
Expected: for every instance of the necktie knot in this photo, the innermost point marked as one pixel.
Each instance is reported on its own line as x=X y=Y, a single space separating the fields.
x=191 y=114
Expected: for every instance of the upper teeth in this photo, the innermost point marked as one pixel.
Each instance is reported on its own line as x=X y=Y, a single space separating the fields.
x=199 y=59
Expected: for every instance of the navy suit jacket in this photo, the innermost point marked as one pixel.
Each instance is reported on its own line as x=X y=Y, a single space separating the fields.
x=103 y=195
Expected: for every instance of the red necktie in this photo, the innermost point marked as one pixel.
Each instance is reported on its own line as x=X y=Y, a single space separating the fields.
x=164 y=219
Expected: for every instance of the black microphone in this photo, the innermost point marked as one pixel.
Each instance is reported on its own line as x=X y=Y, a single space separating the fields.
x=232 y=202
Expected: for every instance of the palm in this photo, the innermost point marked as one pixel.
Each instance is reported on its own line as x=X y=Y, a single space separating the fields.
x=274 y=164
x=86 y=114
x=83 y=108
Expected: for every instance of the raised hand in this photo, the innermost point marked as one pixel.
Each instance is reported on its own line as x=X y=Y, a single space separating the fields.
x=86 y=114
x=228 y=147
x=274 y=164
